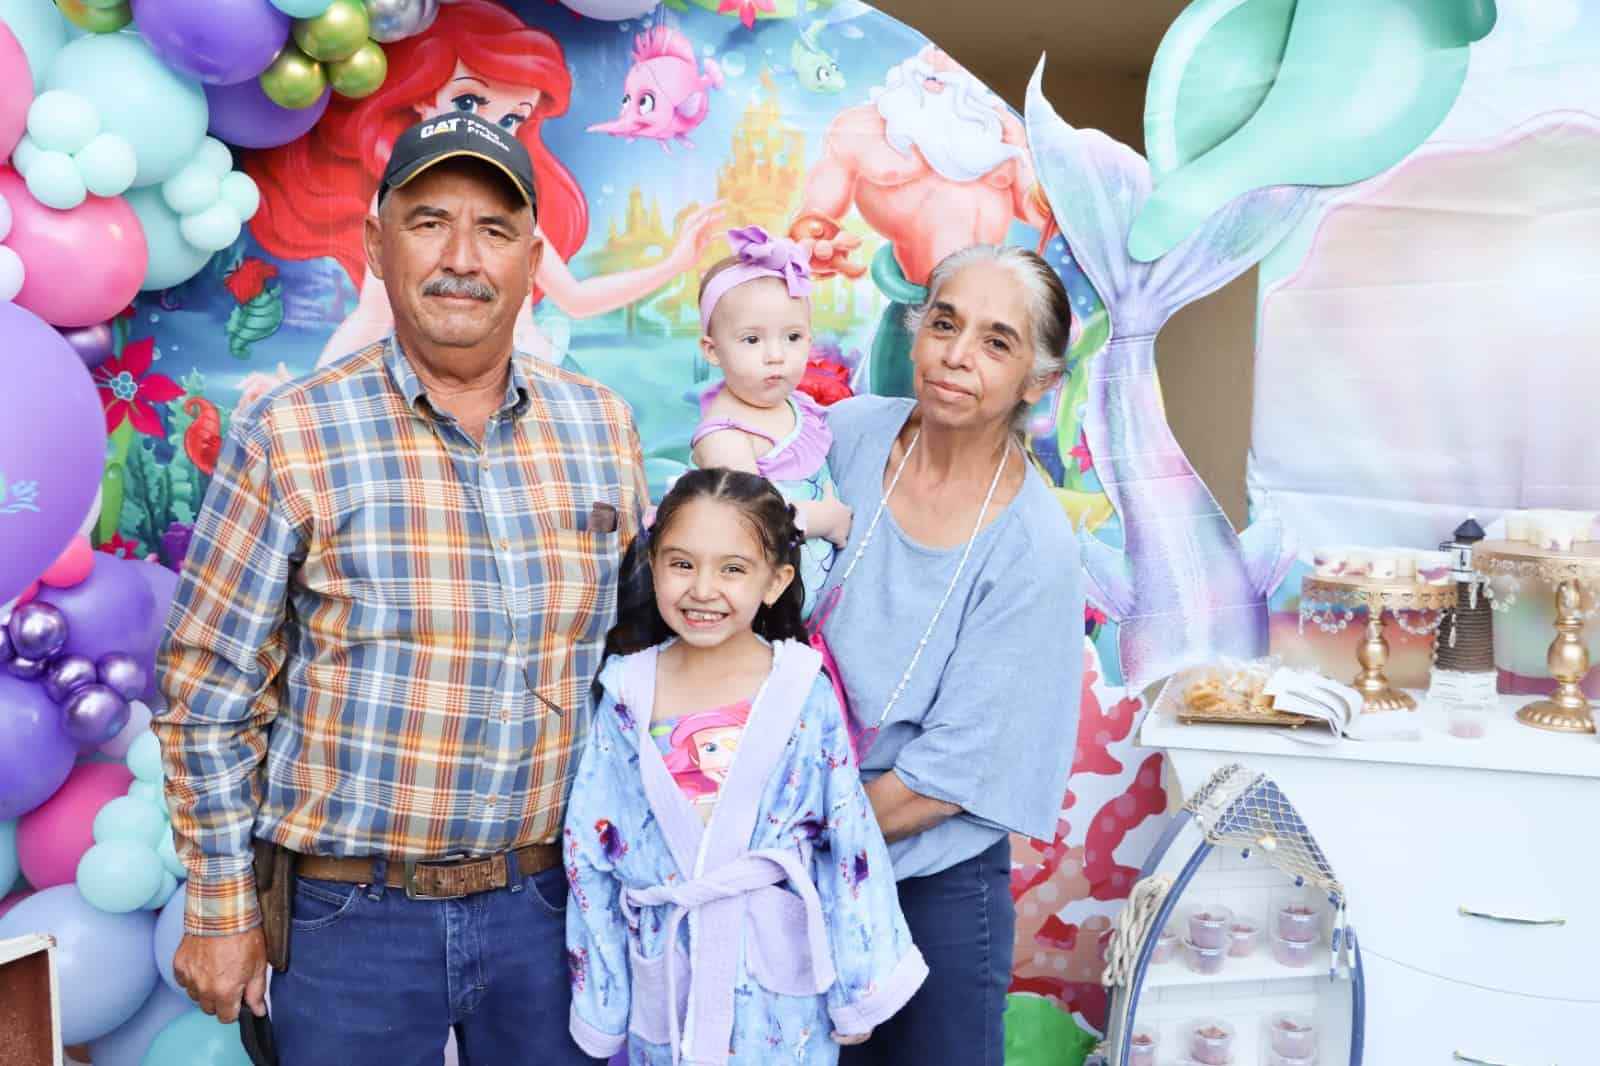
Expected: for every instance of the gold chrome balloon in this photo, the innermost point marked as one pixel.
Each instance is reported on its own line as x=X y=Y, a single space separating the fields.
x=294 y=80
x=336 y=33
x=360 y=75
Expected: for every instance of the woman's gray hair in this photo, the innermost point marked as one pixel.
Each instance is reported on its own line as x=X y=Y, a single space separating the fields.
x=1050 y=322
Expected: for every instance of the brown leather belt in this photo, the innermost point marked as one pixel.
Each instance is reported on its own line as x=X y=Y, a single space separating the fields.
x=441 y=879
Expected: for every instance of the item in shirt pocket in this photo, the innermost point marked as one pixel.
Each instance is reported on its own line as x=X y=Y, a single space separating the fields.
x=602 y=518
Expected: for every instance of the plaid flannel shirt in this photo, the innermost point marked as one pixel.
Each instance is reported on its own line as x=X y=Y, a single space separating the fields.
x=385 y=633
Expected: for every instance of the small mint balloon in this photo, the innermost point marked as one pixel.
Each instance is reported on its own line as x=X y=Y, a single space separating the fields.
x=239 y=192
x=107 y=164
x=119 y=876
x=148 y=793
x=169 y=885
x=302 y=9
x=167 y=852
x=126 y=818
x=54 y=180
x=212 y=229
x=214 y=157
x=144 y=758
x=62 y=120
x=191 y=190
x=25 y=154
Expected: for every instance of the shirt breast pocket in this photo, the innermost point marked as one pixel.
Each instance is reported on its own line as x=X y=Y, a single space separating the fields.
x=580 y=568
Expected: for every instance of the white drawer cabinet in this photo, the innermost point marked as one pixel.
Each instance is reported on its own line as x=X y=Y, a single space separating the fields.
x=1501 y=828
x=1427 y=1021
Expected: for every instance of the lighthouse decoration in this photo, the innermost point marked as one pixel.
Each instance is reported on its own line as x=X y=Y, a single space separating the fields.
x=1463 y=650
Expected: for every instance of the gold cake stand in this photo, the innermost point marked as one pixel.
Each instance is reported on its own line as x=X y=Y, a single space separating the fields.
x=1331 y=603
x=1567 y=710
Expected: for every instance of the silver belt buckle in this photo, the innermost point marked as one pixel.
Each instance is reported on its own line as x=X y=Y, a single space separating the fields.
x=412 y=891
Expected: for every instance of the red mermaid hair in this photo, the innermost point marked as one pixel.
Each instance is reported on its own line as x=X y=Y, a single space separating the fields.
x=316 y=191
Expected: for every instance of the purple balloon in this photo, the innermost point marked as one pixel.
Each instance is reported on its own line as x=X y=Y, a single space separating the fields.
x=27 y=669
x=93 y=715
x=124 y=675
x=219 y=42
x=94 y=344
x=104 y=962
x=38 y=630
x=244 y=115
x=67 y=674
x=52 y=447
x=7 y=652
x=36 y=755
x=113 y=609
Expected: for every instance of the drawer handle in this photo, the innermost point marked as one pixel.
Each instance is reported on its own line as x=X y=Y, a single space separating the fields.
x=1513 y=919
x=1461 y=1057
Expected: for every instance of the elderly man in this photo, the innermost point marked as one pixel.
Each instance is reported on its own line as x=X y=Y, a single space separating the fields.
x=380 y=652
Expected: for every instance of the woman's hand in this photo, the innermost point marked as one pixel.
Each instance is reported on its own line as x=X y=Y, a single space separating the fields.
x=851 y=1039
x=827 y=517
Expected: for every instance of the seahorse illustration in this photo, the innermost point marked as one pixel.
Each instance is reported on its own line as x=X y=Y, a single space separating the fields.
x=202 y=441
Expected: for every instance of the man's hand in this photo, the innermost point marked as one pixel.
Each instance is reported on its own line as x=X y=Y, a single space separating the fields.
x=852 y=1039
x=220 y=972
x=827 y=245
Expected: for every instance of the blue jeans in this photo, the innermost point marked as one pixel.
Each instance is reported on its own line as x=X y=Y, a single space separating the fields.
x=376 y=979
x=963 y=921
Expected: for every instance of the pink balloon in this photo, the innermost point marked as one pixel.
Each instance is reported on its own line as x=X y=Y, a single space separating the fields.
x=14 y=899
x=71 y=566
x=53 y=836
x=16 y=91
x=83 y=265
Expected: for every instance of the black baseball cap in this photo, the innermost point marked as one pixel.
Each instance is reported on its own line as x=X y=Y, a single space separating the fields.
x=455 y=136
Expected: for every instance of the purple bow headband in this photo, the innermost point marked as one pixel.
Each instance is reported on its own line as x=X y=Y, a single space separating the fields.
x=764 y=256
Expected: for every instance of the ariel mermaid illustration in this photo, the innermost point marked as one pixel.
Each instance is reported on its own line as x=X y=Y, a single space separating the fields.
x=480 y=58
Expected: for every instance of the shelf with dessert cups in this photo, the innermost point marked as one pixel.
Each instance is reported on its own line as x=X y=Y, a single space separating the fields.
x=1572 y=569
x=1260 y=965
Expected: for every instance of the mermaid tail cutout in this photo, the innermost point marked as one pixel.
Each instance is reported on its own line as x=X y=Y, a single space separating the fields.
x=1181 y=588
x=1360 y=84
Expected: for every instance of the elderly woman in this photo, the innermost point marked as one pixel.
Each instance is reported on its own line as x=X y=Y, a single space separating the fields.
x=955 y=628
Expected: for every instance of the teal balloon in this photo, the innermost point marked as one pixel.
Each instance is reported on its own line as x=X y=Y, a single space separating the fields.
x=40 y=30
x=214 y=157
x=62 y=121
x=1246 y=94
x=167 y=852
x=302 y=9
x=107 y=164
x=197 y=1039
x=9 y=867
x=161 y=114
x=144 y=754
x=239 y=192
x=126 y=818
x=212 y=229
x=119 y=876
x=191 y=190
x=169 y=885
x=54 y=181
x=24 y=155
x=144 y=791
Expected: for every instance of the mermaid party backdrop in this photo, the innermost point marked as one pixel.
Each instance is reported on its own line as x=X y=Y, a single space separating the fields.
x=1414 y=177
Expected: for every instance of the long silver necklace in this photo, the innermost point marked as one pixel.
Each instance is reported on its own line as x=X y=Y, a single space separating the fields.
x=870 y=734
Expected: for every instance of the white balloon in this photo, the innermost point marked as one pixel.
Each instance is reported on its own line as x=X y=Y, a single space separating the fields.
x=138 y=724
x=11 y=274
x=89 y=520
x=5 y=218
x=612 y=10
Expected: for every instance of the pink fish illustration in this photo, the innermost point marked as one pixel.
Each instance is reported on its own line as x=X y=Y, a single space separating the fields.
x=665 y=94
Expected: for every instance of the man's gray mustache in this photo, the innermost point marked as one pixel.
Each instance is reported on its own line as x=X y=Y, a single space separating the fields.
x=453 y=286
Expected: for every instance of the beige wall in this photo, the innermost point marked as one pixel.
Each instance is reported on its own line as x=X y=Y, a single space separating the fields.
x=1095 y=77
